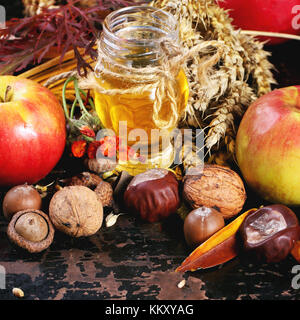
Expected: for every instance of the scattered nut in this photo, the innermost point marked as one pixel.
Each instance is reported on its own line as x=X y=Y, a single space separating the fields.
x=215 y=187
x=76 y=211
x=153 y=194
x=31 y=230
x=17 y=292
x=32 y=227
x=21 y=198
x=270 y=233
x=200 y=224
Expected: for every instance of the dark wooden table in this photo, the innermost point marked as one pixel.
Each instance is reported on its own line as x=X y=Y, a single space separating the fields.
x=136 y=260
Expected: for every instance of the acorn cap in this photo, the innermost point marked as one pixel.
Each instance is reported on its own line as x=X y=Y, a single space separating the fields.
x=104 y=193
x=20 y=241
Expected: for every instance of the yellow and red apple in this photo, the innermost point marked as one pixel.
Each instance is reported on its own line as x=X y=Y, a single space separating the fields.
x=32 y=131
x=268 y=146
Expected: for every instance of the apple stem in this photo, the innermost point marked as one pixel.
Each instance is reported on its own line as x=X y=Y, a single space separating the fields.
x=8 y=89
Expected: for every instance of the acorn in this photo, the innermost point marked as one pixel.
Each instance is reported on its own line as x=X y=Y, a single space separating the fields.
x=31 y=230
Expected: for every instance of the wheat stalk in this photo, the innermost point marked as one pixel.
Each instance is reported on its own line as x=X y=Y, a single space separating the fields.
x=218 y=105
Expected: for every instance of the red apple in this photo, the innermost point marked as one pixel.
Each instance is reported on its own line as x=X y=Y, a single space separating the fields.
x=268 y=146
x=32 y=131
x=265 y=15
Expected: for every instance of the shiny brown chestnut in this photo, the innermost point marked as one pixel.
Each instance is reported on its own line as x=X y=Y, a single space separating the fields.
x=270 y=232
x=153 y=194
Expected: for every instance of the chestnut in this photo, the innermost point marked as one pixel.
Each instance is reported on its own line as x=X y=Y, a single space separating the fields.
x=200 y=224
x=153 y=194
x=270 y=232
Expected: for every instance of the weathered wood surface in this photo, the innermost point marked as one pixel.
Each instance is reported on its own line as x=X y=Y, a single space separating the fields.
x=135 y=260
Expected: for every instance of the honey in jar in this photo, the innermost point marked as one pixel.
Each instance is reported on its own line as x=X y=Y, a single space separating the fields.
x=131 y=38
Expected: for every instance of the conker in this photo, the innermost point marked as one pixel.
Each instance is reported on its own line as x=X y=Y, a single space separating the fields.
x=20 y=198
x=200 y=224
x=153 y=194
x=270 y=232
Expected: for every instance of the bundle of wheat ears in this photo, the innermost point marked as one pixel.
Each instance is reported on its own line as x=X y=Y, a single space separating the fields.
x=242 y=74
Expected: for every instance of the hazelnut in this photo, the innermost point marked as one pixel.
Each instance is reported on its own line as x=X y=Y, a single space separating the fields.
x=153 y=194
x=31 y=230
x=200 y=224
x=76 y=211
x=215 y=187
x=20 y=198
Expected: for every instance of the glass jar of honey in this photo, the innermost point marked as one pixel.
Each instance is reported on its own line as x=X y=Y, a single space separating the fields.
x=131 y=44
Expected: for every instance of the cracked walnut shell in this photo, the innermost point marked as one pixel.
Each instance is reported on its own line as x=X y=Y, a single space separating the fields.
x=76 y=211
x=216 y=187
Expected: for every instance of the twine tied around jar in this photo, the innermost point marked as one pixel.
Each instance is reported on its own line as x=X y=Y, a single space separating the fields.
x=162 y=77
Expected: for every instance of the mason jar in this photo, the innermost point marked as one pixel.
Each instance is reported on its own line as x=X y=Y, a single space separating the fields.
x=133 y=60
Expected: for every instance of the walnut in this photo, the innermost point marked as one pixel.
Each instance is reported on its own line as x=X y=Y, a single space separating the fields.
x=76 y=211
x=104 y=193
x=103 y=189
x=85 y=179
x=216 y=187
